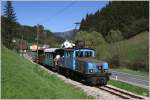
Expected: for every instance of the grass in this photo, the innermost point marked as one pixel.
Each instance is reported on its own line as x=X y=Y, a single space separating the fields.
x=22 y=80
x=129 y=87
x=132 y=72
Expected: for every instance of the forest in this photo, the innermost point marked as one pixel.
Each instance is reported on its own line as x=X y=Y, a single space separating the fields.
x=127 y=18
x=25 y=32
x=119 y=33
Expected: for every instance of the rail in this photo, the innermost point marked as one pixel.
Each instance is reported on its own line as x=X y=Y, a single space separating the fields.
x=120 y=93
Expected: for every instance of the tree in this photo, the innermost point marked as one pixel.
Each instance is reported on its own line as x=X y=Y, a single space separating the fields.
x=113 y=37
x=93 y=40
x=130 y=18
x=9 y=12
x=10 y=25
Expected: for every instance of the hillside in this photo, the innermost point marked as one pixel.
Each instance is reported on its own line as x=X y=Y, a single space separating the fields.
x=65 y=35
x=133 y=52
x=129 y=53
x=27 y=33
x=128 y=17
x=21 y=80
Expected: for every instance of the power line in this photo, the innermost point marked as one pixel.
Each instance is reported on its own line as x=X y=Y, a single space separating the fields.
x=71 y=26
x=59 y=12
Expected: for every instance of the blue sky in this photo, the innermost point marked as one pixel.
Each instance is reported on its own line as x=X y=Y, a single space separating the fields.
x=57 y=16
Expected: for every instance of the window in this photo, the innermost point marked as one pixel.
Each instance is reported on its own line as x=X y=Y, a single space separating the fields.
x=67 y=54
x=81 y=53
x=84 y=53
x=77 y=53
x=40 y=52
x=88 y=53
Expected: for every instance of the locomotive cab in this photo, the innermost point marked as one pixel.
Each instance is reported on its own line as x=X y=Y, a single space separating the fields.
x=95 y=72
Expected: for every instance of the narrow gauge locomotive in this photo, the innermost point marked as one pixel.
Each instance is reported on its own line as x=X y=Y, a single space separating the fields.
x=79 y=64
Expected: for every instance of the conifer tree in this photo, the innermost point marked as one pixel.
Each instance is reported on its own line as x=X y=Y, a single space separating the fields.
x=10 y=24
x=9 y=12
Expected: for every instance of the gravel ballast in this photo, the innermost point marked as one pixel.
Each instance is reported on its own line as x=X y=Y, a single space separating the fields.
x=90 y=91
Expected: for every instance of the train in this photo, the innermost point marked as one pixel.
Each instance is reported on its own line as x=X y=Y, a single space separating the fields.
x=77 y=63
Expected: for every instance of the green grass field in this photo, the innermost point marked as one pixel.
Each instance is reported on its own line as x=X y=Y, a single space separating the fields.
x=129 y=87
x=22 y=80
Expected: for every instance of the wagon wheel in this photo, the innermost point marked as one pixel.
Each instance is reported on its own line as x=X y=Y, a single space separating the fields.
x=58 y=69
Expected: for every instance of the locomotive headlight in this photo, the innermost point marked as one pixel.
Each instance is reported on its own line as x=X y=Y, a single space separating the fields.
x=105 y=66
x=91 y=70
x=100 y=67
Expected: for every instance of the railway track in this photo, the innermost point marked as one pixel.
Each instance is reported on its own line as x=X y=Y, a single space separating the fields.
x=120 y=93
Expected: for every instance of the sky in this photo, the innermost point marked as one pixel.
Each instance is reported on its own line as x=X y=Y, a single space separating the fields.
x=56 y=16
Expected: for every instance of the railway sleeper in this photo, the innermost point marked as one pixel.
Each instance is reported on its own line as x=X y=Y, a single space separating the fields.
x=120 y=93
x=115 y=93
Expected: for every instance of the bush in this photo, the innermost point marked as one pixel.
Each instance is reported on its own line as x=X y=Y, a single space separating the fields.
x=114 y=36
x=133 y=53
x=94 y=40
x=130 y=53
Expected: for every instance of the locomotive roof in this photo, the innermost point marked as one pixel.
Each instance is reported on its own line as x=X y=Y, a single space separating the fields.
x=65 y=49
x=50 y=49
x=92 y=60
x=73 y=49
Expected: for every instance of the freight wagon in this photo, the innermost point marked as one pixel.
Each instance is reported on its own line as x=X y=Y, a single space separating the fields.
x=38 y=58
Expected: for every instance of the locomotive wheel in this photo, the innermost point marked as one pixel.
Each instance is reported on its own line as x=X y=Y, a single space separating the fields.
x=103 y=81
x=67 y=73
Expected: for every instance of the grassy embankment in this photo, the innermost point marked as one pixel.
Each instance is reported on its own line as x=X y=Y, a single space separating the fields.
x=22 y=79
x=129 y=87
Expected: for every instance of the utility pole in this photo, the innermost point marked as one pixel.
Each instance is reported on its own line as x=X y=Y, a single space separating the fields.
x=22 y=45
x=76 y=25
x=79 y=41
x=44 y=37
x=37 y=41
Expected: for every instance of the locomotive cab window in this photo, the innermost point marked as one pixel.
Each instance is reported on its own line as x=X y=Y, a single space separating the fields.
x=88 y=53
x=81 y=54
x=84 y=53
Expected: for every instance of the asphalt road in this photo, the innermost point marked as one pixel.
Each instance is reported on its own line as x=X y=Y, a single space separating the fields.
x=132 y=79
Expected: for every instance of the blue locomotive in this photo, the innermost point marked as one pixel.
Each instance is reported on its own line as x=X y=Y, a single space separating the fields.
x=79 y=64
